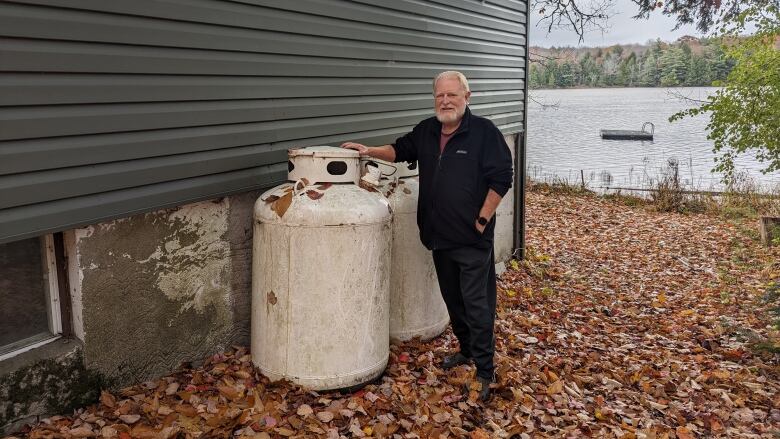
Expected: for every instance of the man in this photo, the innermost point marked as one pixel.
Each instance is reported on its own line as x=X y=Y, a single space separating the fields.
x=465 y=169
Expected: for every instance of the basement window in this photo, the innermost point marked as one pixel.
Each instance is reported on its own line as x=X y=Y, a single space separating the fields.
x=30 y=313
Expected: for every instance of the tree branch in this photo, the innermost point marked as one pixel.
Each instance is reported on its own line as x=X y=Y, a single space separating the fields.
x=580 y=16
x=677 y=94
x=542 y=104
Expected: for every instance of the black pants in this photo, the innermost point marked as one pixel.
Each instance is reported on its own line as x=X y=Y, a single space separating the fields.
x=467 y=278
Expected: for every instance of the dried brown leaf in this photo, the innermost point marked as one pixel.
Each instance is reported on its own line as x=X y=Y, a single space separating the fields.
x=304 y=410
x=555 y=388
x=81 y=432
x=325 y=416
x=129 y=419
x=107 y=399
x=281 y=205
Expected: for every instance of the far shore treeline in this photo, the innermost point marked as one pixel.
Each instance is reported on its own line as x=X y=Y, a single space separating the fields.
x=688 y=62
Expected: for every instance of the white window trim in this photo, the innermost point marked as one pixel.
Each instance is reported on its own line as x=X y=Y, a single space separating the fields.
x=53 y=311
x=29 y=347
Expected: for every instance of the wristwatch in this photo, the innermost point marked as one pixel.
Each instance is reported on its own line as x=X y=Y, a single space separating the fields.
x=482 y=221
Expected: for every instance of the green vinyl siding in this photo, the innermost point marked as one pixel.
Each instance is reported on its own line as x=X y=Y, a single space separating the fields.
x=111 y=108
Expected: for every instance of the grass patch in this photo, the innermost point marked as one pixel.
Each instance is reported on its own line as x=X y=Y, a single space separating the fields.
x=558 y=186
x=743 y=199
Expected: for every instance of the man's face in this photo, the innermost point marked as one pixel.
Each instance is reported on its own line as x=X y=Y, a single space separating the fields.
x=450 y=100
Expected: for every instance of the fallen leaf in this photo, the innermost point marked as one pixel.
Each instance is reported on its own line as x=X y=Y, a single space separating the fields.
x=172 y=388
x=286 y=432
x=304 y=410
x=107 y=399
x=229 y=392
x=80 y=432
x=555 y=388
x=441 y=417
x=325 y=416
x=129 y=419
x=281 y=205
x=314 y=195
x=683 y=433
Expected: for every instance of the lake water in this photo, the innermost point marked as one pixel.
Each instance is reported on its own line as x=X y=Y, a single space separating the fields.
x=564 y=140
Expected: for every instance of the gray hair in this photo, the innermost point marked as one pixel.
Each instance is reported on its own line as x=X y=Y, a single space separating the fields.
x=452 y=74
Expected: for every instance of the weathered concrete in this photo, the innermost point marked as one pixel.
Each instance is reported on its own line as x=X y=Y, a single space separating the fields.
x=164 y=287
x=504 y=217
x=47 y=380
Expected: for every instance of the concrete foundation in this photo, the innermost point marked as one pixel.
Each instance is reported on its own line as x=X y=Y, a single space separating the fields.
x=154 y=290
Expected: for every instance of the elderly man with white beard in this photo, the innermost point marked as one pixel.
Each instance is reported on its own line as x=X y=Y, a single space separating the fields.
x=465 y=169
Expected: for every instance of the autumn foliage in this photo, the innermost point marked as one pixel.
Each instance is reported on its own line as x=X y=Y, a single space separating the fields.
x=623 y=322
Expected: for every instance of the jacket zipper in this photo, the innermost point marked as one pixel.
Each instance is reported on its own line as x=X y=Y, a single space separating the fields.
x=435 y=185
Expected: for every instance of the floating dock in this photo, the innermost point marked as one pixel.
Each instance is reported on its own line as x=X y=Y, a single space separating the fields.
x=642 y=134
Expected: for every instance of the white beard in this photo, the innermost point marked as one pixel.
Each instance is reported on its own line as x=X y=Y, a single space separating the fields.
x=449 y=117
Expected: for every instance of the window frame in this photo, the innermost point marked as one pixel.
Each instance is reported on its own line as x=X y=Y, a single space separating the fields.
x=53 y=308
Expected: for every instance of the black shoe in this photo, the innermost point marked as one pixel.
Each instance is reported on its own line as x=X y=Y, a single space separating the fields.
x=455 y=360
x=484 y=392
x=479 y=385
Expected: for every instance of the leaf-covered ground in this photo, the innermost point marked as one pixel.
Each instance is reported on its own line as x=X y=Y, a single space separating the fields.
x=623 y=322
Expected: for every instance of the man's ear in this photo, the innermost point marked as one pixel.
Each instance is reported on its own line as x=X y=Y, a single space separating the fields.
x=468 y=95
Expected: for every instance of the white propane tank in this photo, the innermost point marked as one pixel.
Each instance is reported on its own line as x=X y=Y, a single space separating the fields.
x=416 y=305
x=320 y=274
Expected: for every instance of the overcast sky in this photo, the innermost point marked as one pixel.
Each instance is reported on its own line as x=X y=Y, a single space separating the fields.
x=623 y=30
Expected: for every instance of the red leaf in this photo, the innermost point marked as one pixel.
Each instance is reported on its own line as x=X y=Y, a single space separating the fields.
x=314 y=195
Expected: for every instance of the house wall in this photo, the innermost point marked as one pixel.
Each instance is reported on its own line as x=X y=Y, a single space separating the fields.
x=110 y=109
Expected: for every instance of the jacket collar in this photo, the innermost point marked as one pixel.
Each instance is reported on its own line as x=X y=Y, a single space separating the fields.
x=464 y=122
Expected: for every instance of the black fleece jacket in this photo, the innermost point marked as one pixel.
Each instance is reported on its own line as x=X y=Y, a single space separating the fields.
x=453 y=185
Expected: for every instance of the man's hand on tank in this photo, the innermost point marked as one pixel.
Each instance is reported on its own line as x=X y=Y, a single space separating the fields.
x=360 y=148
